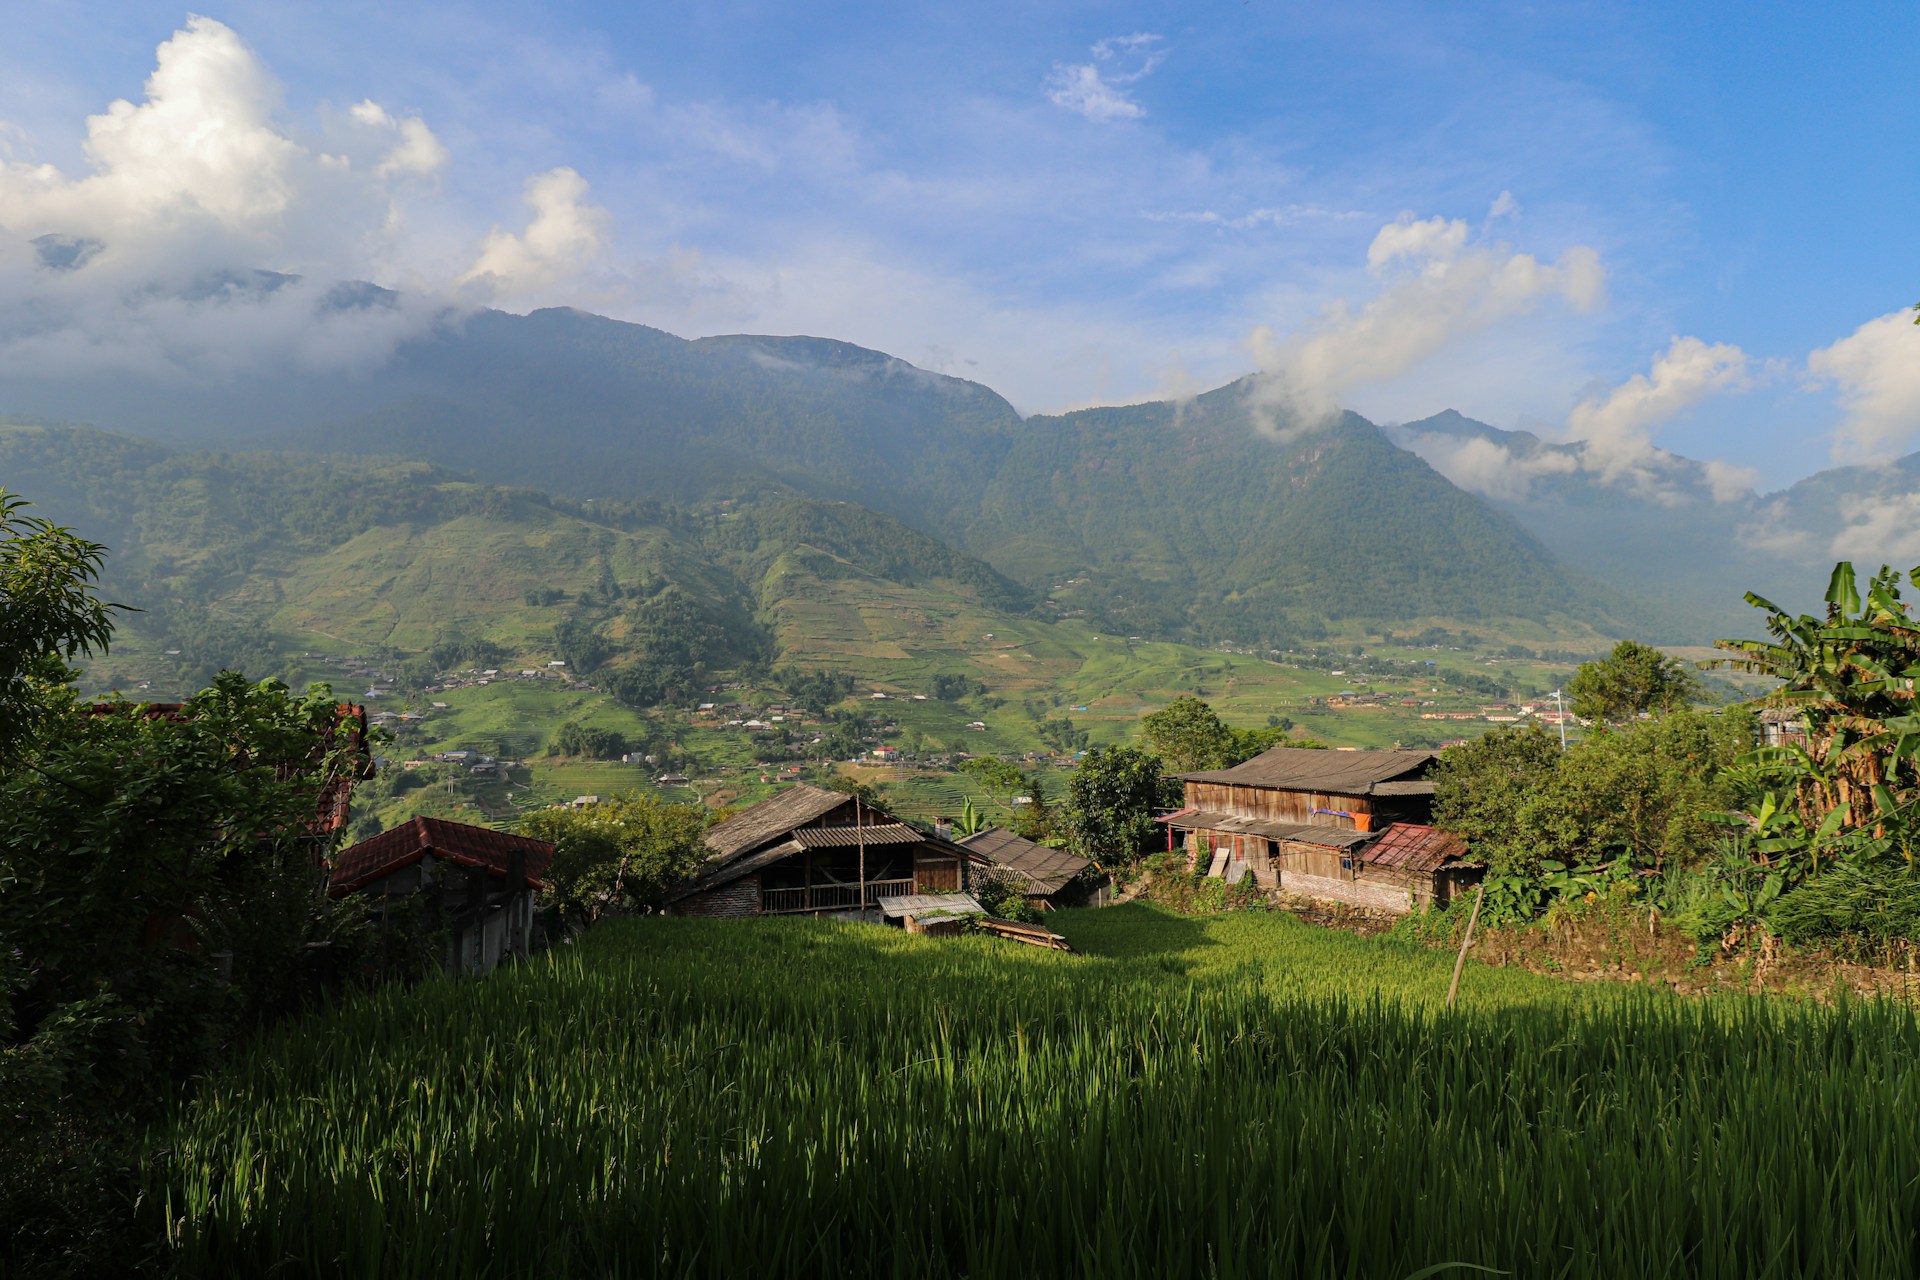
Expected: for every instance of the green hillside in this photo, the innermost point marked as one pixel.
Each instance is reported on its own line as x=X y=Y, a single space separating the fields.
x=441 y=602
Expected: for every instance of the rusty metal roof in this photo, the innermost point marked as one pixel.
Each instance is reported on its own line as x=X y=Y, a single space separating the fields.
x=1349 y=773
x=456 y=842
x=1409 y=846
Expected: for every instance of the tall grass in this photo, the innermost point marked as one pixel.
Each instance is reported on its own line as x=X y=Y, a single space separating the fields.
x=1237 y=1097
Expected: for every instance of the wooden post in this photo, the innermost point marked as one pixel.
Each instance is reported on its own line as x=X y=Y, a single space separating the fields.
x=860 y=843
x=1460 y=961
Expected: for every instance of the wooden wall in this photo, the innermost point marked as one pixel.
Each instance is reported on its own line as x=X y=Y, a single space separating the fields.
x=936 y=873
x=1275 y=806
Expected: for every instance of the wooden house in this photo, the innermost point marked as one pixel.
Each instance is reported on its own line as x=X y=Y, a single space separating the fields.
x=1050 y=876
x=478 y=882
x=1345 y=826
x=813 y=851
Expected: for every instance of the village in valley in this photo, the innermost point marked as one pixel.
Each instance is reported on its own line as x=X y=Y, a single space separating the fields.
x=1000 y=643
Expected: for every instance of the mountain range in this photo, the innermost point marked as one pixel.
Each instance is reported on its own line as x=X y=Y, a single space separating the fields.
x=1202 y=519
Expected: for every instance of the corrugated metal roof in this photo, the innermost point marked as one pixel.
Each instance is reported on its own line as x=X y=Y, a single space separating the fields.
x=1046 y=870
x=1352 y=773
x=456 y=842
x=926 y=904
x=1409 y=846
x=846 y=837
x=1410 y=787
x=754 y=826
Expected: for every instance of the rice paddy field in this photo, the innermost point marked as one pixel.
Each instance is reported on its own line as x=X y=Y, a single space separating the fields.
x=1236 y=1095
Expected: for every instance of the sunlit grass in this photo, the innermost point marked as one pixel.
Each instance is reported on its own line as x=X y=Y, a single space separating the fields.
x=1241 y=1095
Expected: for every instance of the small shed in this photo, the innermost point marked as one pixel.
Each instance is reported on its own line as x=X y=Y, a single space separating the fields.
x=932 y=913
x=1051 y=876
x=478 y=882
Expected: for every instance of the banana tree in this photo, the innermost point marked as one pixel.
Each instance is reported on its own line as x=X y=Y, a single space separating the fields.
x=1849 y=787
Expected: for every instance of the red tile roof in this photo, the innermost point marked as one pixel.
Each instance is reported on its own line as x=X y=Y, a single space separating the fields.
x=1412 y=847
x=455 y=842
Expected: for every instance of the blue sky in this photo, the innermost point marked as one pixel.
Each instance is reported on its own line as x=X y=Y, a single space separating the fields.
x=1514 y=210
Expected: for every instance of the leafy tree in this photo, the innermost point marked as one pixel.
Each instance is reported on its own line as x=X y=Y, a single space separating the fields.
x=1111 y=799
x=1632 y=679
x=49 y=613
x=1061 y=734
x=1190 y=736
x=627 y=851
x=868 y=793
x=995 y=774
x=1482 y=786
x=816 y=690
x=580 y=646
x=576 y=739
x=949 y=687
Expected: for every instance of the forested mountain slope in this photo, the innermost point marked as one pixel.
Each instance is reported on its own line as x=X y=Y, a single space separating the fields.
x=1172 y=519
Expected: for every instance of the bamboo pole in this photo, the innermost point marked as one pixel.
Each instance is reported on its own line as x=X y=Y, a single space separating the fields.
x=1460 y=961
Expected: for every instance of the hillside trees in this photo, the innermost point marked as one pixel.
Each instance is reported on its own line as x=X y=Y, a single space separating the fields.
x=49 y=611
x=1188 y=735
x=623 y=852
x=1111 y=799
x=1633 y=679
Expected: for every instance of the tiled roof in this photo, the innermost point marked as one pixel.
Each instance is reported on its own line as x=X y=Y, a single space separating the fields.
x=1409 y=846
x=455 y=842
x=1046 y=870
x=1348 y=773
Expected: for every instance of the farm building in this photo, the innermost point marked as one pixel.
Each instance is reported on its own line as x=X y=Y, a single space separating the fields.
x=930 y=913
x=1049 y=874
x=817 y=851
x=1346 y=826
x=477 y=881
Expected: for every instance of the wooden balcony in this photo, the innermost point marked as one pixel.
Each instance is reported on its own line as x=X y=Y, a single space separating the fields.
x=829 y=897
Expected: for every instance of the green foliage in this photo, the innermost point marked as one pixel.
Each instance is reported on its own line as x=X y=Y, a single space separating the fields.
x=1111 y=800
x=1849 y=787
x=1189 y=736
x=816 y=690
x=1643 y=795
x=996 y=775
x=1634 y=678
x=624 y=852
x=1060 y=733
x=952 y=687
x=576 y=739
x=1004 y=895
x=49 y=612
x=1860 y=908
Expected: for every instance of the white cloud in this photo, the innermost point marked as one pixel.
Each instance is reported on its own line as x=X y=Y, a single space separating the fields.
x=1438 y=289
x=1096 y=89
x=565 y=236
x=1485 y=466
x=1877 y=369
x=415 y=151
x=1504 y=206
x=1616 y=430
x=1883 y=530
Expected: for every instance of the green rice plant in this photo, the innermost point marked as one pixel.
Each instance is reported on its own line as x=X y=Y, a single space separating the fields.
x=1223 y=1096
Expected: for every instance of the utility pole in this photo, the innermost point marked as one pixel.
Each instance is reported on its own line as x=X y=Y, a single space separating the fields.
x=1561 y=706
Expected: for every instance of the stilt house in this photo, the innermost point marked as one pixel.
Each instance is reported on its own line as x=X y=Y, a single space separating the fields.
x=478 y=882
x=810 y=850
x=1344 y=826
